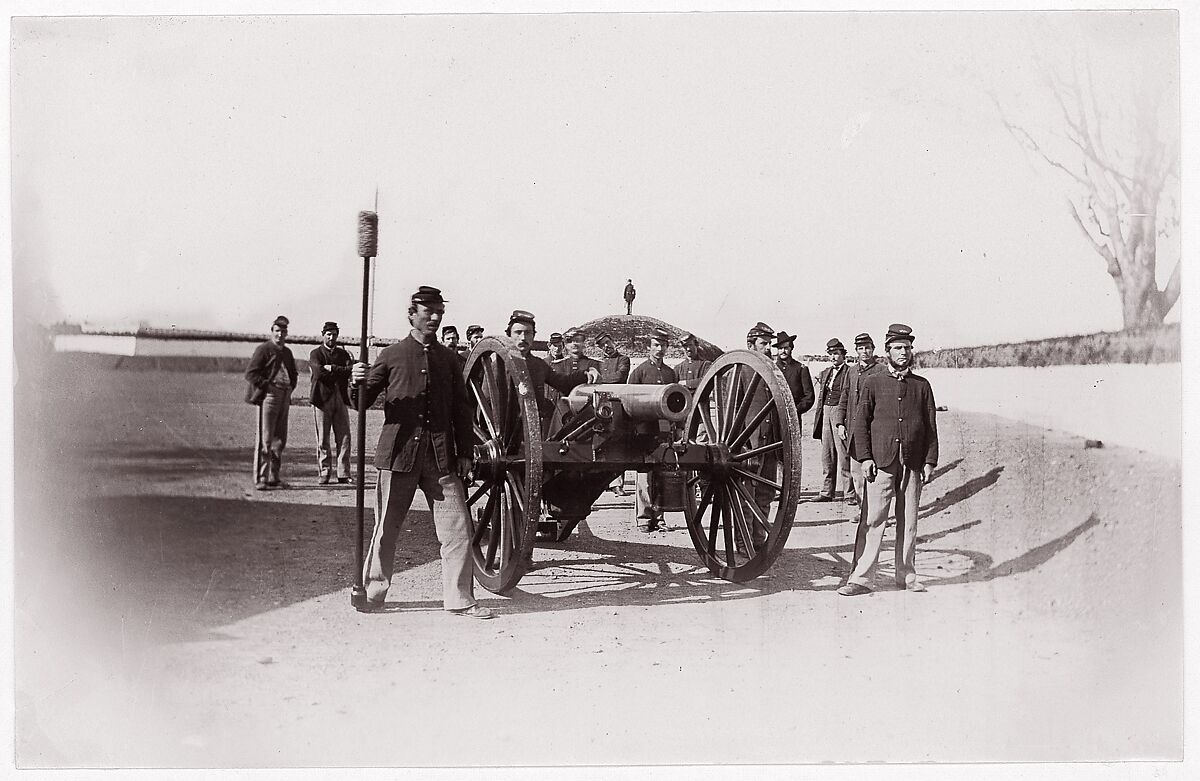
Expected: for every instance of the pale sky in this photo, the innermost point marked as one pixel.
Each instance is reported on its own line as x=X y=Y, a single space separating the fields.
x=827 y=173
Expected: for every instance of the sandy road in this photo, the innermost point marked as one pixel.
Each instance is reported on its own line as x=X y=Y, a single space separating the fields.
x=202 y=624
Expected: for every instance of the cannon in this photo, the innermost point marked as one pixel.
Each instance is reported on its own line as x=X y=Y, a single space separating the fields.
x=732 y=443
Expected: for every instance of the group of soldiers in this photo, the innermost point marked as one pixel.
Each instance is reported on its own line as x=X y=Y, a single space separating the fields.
x=879 y=414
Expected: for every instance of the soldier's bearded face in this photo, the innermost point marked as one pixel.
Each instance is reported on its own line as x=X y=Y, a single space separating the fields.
x=784 y=353
x=329 y=338
x=425 y=321
x=693 y=350
x=609 y=347
x=838 y=356
x=450 y=340
x=900 y=355
x=523 y=334
x=575 y=348
x=762 y=345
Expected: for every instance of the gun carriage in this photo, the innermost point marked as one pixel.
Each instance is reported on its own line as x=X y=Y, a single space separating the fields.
x=732 y=442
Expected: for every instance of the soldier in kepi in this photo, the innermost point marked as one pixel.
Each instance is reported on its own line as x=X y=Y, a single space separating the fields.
x=575 y=360
x=758 y=339
x=554 y=348
x=691 y=370
x=450 y=341
x=426 y=443
x=653 y=372
x=329 y=371
x=630 y=294
x=614 y=367
x=522 y=328
x=895 y=435
x=474 y=335
x=866 y=365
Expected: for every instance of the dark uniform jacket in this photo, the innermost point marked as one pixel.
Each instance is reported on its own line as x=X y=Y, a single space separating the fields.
x=460 y=359
x=651 y=373
x=267 y=356
x=850 y=394
x=568 y=365
x=541 y=374
x=896 y=418
x=425 y=397
x=690 y=372
x=327 y=385
x=614 y=369
x=799 y=380
x=826 y=399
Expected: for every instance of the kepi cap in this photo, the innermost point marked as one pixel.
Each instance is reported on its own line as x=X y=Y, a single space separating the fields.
x=760 y=329
x=898 y=332
x=281 y=321
x=521 y=316
x=863 y=338
x=474 y=329
x=556 y=337
x=689 y=338
x=329 y=326
x=428 y=296
x=661 y=334
x=449 y=329
x=834 y=344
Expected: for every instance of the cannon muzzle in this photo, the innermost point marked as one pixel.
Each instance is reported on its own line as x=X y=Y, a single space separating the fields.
x=640 y=402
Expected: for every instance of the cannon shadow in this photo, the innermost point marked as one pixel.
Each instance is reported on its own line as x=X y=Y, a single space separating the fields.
x=621 y=573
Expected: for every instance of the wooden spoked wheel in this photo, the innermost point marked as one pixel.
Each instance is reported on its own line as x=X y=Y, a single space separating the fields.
x=740 y=510
x=505 y=500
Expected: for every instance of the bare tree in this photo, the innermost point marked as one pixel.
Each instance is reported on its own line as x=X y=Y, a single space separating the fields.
x=1123 y=161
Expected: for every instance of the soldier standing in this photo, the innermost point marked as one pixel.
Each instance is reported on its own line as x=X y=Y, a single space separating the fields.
x=523 y=328
x=691 y=370
x=614 y=367
x=575 y=360
x=834 y=461
x=272 y=376
x=758 y=339
x=653 y=372
x=866 y=365
x=329 y=370
x=798 y=378
x=554 y=348
x=895 y=432
x=425 y=443
x=630 y=294
x=450 y=342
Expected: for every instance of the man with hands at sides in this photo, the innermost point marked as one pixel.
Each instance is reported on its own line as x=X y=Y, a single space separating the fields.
x=895 y=436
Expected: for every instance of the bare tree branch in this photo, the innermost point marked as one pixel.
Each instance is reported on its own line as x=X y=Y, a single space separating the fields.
x=1170 y=293
x=1114 y=266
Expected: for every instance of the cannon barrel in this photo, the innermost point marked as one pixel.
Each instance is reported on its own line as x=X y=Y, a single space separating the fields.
x=640 y=402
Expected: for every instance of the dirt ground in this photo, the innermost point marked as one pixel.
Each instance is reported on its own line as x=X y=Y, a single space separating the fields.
x=167 y=615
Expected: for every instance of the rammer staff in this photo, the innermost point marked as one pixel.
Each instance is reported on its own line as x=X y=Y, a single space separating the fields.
x=368 y=245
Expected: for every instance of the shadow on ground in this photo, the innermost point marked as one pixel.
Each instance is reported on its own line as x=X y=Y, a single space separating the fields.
x=179 y=567
x=598 y=572
x=187 y=565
